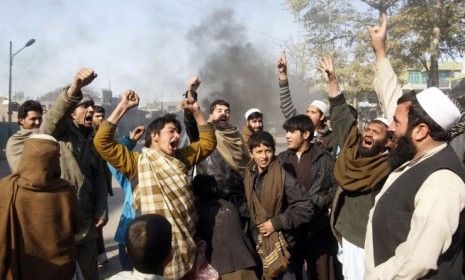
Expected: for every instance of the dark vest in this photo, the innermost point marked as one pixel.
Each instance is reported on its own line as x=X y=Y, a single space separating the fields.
x=394 y=210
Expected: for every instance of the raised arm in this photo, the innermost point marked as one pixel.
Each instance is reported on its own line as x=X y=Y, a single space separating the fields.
x=66 y=102
x=206 y=143
x=287 y=107
x=341 y=118
x=386 y=84
x=114 y=153
x=189 y=120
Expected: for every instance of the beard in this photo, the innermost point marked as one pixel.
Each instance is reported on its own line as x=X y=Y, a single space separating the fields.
x=377 y=148
x=255 y=129
x=403 y=152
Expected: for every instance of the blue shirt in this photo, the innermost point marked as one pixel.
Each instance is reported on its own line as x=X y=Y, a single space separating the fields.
x=128 y=213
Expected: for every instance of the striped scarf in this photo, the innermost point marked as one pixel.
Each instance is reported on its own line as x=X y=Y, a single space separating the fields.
x=164 y=189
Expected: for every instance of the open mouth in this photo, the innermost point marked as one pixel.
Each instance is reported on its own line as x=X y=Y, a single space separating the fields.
x=367 y=142
x=174 y=145
x=88 y=119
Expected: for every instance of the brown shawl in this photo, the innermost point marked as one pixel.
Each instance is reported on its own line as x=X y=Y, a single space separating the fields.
x=231 y=147
x=39 y=215
x=274 y=257
x=354 y=173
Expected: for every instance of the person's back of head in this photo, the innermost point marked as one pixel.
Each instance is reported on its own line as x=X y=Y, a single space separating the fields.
x=148 y=242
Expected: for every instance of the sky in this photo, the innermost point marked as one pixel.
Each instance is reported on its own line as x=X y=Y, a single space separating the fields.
x=137 y=44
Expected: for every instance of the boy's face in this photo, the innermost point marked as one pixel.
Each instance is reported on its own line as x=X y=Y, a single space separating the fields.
x=262 y=155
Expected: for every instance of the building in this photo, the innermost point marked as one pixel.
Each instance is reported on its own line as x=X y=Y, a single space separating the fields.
x=448 y=71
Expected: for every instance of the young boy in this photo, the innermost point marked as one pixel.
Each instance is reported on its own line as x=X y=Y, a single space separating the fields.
x=277 y=203
x=148 y=243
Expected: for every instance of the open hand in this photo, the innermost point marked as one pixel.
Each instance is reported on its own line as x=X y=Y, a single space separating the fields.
x=327 y=69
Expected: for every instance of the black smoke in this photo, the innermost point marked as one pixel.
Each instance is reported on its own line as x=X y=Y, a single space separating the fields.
x=234 y=69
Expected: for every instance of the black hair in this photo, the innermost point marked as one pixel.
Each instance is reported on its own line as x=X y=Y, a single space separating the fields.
x=261 y=137
x=218 y=102
x=99 y=109
x=417 y=115
x=254 y=115
x=148 y=243
x=158 y=124
x=301 y=123
x=29 y=105
x=205 y=187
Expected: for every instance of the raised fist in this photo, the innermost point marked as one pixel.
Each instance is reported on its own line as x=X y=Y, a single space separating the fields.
x=136 y=133
x=194 y=84
x=129 y=99
x=84 y=77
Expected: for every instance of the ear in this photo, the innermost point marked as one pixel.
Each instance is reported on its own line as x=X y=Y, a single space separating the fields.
x=322 y=117
x=306 y=135
x=155 y=137
x=420 y=132
x=21 y=121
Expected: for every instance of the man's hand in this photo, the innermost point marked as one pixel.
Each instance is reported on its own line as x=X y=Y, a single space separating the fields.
x=282 y=66
x=191 y=105
x=82 y=78
x=100 y=223
x=327 y=69
x=136 y=133
x=378 y=36
x=129 y=99
x=266 y=228
x=194 y=84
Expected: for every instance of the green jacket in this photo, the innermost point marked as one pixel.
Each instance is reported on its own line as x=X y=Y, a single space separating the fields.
x=79 y=163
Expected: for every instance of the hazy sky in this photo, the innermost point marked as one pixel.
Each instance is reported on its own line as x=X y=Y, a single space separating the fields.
x=130 y=44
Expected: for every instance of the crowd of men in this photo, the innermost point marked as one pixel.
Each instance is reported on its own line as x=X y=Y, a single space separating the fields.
x=341 y=202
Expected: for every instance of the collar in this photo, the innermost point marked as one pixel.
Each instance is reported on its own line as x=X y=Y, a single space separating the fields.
x=143 y=276
x=422 y=157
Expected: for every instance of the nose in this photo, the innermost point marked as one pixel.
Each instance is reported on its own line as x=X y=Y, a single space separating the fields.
x=392 y=126
x=288 y=134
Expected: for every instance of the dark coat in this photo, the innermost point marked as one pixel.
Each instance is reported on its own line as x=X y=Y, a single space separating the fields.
x=322 y=189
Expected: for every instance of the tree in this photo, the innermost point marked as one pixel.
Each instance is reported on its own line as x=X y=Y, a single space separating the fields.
x=421 y=32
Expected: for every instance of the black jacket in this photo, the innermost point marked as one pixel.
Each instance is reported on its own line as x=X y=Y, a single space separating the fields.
x=322 y=189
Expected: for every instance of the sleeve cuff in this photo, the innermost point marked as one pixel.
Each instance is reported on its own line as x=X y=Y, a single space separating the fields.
x=277 y=223
x=283 y=83
x=338 y=100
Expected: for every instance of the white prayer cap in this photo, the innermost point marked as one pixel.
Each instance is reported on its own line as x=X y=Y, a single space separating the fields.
x=251 y=111
x=439 y=107
x=43 y=136
x=383 y=120
x=320 y=105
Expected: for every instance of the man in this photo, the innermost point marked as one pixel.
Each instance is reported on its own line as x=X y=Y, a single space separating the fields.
x=219 y=220
x=362 y=165
x=70 y=122
x=29 y=118
x=416 y=227
x=159 y=173
x=227 y=162
x=313 y=168
x=323 y=135
x=97 y=119
x=148 y=244
x=278 y=205
x=39 y=216
x=254 y=122
x=99 y=116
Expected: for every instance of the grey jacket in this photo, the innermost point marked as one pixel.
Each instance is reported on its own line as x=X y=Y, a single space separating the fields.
x=79 y=163
x=15 y=145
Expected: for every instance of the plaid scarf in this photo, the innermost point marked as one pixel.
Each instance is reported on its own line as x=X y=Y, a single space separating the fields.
x=164 y=189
